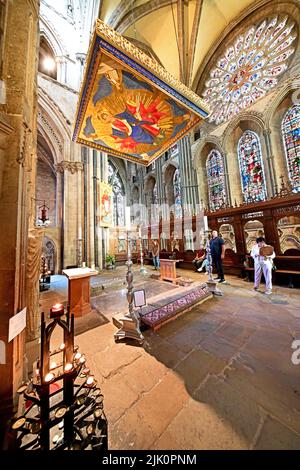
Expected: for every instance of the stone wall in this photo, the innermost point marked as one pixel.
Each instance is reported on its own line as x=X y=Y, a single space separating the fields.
x=18 y=158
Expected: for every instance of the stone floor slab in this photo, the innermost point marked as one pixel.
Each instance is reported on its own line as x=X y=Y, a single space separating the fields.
x=275 y=436
x=198 y=427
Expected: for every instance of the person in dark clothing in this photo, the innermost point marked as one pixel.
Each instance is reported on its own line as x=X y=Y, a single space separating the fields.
x=217 y=250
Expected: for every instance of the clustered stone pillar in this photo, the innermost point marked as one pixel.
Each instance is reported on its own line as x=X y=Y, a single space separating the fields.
x=71 y=174
x=94 y=236
x=190 y=196
x=226 y=175
x=161 y=190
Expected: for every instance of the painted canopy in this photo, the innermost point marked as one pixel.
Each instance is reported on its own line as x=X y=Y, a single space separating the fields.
x=129 y=106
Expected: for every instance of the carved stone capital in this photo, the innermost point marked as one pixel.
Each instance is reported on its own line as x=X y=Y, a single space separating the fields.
x=267 y=132
x=72 y=167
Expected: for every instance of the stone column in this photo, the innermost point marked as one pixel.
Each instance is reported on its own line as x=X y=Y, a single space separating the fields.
x=161 y=193
x=95 y=204
x=270 y=161
x=71 y=209
x=91 y=210
x=84 y=152
x=188 y=177
x=99 y=229
x=61 y=69
x=104 y=230
x=226 y=177
x=79 y=246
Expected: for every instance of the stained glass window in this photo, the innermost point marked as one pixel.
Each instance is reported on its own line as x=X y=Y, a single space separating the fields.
x=177 y=194
x=251 y=167
x=250 y=67
x=215 y=180
x=291 y=139
x=115 y=181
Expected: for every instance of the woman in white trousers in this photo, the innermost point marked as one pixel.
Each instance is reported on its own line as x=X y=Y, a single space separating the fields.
x=262 y=264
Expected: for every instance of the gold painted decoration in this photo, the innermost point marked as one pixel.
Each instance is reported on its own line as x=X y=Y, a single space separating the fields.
x=129 y=106
x=105 y=204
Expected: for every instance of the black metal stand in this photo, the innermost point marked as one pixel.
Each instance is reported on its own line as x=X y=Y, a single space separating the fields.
x=63 y=407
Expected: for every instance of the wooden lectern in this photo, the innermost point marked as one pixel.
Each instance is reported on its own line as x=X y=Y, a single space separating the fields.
x=168 y=270
x=79 y=290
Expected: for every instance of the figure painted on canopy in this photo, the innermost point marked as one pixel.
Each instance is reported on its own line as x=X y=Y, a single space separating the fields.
x=135 y=125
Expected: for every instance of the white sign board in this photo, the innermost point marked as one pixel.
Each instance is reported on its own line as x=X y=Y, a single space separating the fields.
x=17 y=323
x=139 y=298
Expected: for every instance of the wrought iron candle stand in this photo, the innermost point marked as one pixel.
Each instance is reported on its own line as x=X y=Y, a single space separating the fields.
x=130 y=321
x=68 y=416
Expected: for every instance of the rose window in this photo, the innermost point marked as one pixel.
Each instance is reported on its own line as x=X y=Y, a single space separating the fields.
x=249 y=68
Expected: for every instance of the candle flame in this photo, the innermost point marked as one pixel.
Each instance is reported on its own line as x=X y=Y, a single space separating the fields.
x=68 y=367
x=90 y=380
x=49 y=377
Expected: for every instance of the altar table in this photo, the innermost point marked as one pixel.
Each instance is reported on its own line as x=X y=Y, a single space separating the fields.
x=168 y=270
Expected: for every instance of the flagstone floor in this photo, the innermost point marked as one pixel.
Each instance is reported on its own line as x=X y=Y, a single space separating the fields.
x=218 y=377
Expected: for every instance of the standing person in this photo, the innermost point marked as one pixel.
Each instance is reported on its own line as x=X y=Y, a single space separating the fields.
x=263 y=255
x=217 y=250
x=155 y=254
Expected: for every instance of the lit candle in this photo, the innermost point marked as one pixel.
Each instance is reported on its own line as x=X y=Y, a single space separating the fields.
x=62 y=346
x=49 y=377
x=82 y=360
x=68 y=367
x=205 y=223
x=57 y=310
x=77 y=356
x=90 y=380
x=53 y=365
x=98 y=413
x=79 y=233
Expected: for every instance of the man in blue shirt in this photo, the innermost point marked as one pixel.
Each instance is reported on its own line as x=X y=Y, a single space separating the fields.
x=217 y=250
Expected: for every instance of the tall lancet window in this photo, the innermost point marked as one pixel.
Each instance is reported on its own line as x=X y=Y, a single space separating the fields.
x=291 y=139
x=251 y=168
x=177 y=194
x=215 y=180
x=115 y=181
